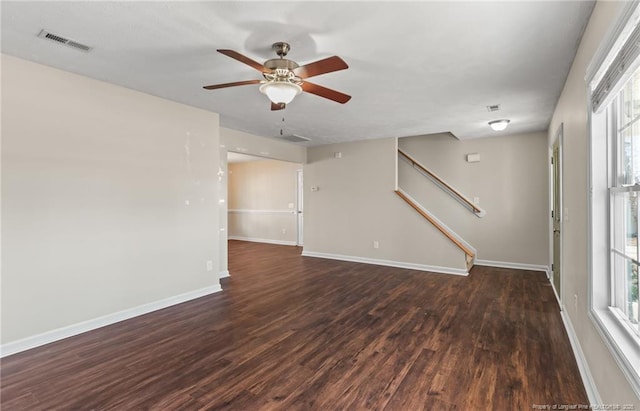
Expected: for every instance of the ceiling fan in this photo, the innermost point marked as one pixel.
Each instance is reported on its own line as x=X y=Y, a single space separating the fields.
x=284 y=79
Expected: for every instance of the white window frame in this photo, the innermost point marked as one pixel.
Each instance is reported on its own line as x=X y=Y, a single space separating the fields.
x=619 y=338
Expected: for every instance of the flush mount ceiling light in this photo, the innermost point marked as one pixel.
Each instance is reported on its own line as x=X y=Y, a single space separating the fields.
x=280 y=92
x=499 y=125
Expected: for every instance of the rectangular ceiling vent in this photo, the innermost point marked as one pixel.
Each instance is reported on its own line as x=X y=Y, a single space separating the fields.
x=62 y=40
x=294 y=139
x=494 y=107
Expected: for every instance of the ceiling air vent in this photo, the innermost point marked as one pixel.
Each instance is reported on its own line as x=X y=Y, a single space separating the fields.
x=494 y=107
x=62 y=40
x=294 y=139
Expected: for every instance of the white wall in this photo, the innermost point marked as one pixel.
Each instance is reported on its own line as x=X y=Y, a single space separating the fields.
x=356 y=205
x=510 y=182
x=260 y=195
x=571 y=111
x=109 y=199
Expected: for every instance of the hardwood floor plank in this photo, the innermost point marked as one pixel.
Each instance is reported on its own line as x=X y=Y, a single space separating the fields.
x=298 y=333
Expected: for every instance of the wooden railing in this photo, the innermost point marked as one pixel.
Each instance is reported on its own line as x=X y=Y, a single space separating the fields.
x=470 y=254
x=452 y=191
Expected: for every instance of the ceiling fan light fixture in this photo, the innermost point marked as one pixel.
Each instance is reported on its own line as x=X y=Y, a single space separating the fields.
x=280 y=91
x=499 y=125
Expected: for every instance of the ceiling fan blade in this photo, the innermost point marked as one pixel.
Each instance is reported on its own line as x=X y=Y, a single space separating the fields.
x=244 y=59
x=325 y=92
x=278 y=106
x=236 y=83
x=323 y=66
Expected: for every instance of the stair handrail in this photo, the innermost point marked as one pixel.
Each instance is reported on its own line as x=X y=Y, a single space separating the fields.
x=437 y=224
x=475 y=209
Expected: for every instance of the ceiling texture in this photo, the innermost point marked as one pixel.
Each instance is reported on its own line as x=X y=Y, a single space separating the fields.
x=414 y=67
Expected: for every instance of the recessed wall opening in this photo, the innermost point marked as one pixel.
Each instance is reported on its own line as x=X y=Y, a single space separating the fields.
x=264 y=200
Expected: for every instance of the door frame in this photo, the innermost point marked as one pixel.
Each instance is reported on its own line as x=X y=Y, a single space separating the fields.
x=559 y=140
x=300 y=207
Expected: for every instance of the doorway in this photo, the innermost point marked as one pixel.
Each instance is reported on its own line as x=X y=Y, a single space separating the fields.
x=264 y=199
x=556 y=215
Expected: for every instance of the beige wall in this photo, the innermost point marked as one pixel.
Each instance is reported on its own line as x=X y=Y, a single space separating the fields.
x=262 y=201
x=240 y=142
x=223 y=249
x=510 y=182
x=355 y=205
x=103 y=207
x=571 y=111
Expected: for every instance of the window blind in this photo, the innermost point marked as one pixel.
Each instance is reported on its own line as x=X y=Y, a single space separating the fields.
x=619 y=67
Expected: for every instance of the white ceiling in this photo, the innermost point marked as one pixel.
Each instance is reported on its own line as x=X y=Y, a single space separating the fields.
x=415 y=67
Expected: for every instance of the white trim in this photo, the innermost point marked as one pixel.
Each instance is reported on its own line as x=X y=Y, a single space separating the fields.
x=224 y=274
x=620 y=343
x=430 y=214
x=395 y=150
x=89 y=325
x=559 y=138
x=515 y=266
x=556 y=294
x=387 y=263
x=623 y=348
x=583 y=366
x=262 y=240
x=299 y=211
x=255 y=211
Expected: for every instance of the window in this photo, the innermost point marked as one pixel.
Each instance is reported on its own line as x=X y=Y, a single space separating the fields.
x=624 y=112
x=614 y=206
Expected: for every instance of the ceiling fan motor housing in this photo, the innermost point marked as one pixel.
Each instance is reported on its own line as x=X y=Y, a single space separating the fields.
x=281 y=48
x=280 y=64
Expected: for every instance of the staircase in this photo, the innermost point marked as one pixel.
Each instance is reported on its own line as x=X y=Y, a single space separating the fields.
x=469 y=251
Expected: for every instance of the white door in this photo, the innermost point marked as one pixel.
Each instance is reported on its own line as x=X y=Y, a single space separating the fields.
x=299 y=206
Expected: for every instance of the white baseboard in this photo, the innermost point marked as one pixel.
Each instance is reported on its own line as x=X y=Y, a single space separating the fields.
x=515 y=266
x=262 y=240
x=583 y=367
x=388 y=263
x=79 y=328
x=224 y=274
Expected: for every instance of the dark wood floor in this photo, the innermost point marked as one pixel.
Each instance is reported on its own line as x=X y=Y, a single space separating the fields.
x=299 y=333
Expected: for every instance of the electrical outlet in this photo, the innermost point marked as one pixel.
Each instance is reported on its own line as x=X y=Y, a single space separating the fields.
x=209 y=265
x=291 y=205
x=376 y=244
x=284 y=231
x=476 y=200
